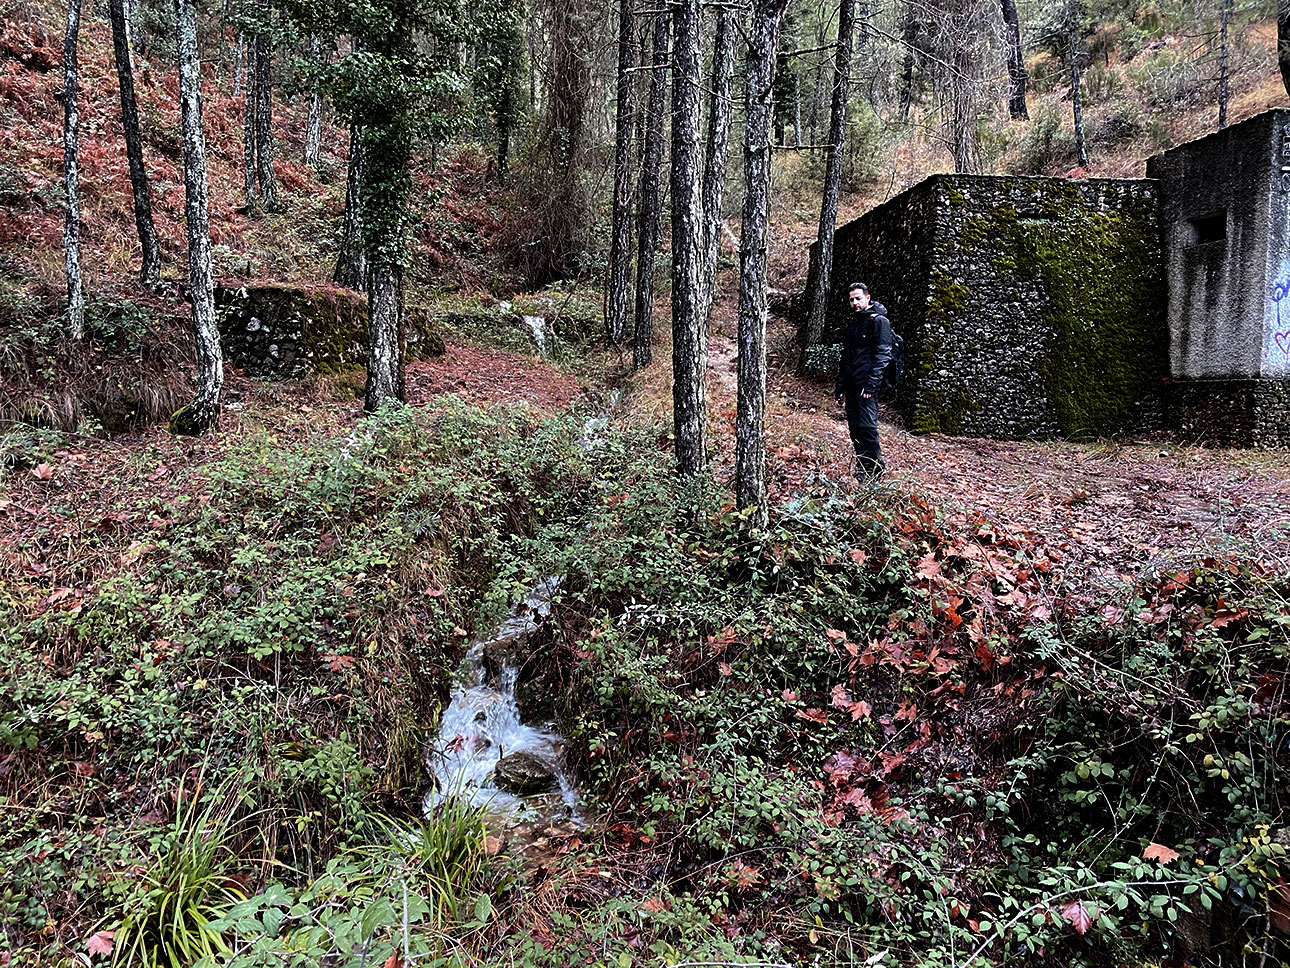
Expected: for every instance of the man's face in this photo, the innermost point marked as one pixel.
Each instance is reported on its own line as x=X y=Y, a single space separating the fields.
x=859 y=300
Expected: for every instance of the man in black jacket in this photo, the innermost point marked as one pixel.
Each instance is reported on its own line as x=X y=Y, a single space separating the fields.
x=866 y=351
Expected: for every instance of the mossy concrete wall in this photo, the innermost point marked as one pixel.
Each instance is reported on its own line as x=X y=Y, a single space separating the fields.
x=278 y=331
x=1030 y=307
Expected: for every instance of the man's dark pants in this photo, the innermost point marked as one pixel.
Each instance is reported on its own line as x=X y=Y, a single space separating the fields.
x=862 y=418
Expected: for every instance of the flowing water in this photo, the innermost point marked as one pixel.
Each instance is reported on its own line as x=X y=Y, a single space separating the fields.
x=481 y=726
x=541 y=335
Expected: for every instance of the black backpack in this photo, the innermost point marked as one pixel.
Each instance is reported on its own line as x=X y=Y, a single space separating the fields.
x=895 y=369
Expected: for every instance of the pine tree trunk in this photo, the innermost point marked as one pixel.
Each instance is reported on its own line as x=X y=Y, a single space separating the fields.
x=689 y=335
x=620 y=246
x=248 y=129
x=1017 y=76
x=72 y=213
x=832 y=180
x=384 y=336
x=264 y=122
x=714 y=168
x=648 y=194
x=150 y=271
x=203 y=412
x=1225 y=15
x=1283 y=42
x=351 y=264
x=910 y=34
x=1077 y=105
x=313 y=122
x=750 y=410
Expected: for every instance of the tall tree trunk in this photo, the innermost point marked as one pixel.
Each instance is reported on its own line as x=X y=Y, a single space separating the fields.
x=1077 y=106
x=750 y=410
x=961 y=33
x=72 y=213
x=1283 y=42
x=648 y=194
x=689 y=335
x=385 y=336
x=238 y=60
x=817 y=86
x=797 y=109
x=264 y=122
x=1017 y=76
x=351 y=264
x=313 y=122
x=714 y=167
x=203 y=412
x=910 y=34
x=248 y=129
x=150 y=271
x=620 y=245
x=1225 y=15
x=832 y=180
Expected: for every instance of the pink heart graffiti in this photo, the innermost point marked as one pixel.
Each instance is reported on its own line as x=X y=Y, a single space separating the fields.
x=1283 y=343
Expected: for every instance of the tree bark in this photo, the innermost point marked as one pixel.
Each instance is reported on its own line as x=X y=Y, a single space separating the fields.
x=1017 y=76
x=689 y=335
x=238 y=60
x=1077 y=106
x=248 y=129
x=832 y=180
x=72 y=213
x=750 y=410
x=203 y=412
x=909 y=35
x=264 y=149
x=351 y=264
x=313 y=121
x=963 y=55
x=1225 y=15
x=620 y=246
x=1283 y=42
x=385 y=336
x=714 y=169
x=150 y=270
x=648 y=194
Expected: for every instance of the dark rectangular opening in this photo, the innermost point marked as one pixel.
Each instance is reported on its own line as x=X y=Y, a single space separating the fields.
x=1209 y=228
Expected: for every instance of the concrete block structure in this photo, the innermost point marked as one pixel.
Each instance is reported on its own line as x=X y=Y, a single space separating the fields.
x=1048 y=307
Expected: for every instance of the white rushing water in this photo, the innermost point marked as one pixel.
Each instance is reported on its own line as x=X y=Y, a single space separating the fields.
x=482 y=725
x=541 y=335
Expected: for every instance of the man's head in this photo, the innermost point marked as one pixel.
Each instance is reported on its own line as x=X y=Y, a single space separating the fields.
x=858 y=296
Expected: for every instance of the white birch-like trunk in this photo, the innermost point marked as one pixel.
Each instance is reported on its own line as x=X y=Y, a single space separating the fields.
x=313 y=122
x=203 y=412
x=264 y=147
x=689 y=335
x=750 y=410
x=384 y=336
x=71 y=183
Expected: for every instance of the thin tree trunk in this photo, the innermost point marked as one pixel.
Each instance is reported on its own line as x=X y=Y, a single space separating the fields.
x=964 y=59
x=1283 y=42
x=1225 y=15
x=264 y=122
x=313 y=122
x=648 y=218
x=1076 y=102
x=385 y=336
x=72 y=214
x=248 y=129
x=351 y=264
x=750 y=409
x=689 y=335
x=910 y=34
x=238 y=60
x=832 y=179
x=1017 y=76
x=150 y=271
x=620 y=246
x=714 y=169
x=203 y=412
x=797 y=109
x=817 y=87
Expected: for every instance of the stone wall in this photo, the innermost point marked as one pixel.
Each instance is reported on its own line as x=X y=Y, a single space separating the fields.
x=273 y=331
x=1231 y=413
x=1030 y=307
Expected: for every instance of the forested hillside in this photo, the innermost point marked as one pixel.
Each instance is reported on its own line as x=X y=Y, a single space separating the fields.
x=423 y=543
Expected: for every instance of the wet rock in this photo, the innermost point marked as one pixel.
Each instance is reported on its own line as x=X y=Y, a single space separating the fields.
x=524 y=774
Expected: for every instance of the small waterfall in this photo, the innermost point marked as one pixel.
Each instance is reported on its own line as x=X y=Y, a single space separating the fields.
x=482 y=745
x=541 y=335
